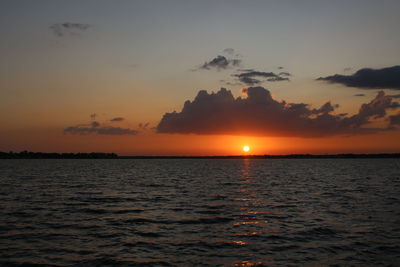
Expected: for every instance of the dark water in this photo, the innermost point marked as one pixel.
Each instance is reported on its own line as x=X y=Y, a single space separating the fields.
x=194 y=212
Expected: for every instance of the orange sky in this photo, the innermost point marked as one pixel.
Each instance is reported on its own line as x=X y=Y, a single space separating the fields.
x=176 y=144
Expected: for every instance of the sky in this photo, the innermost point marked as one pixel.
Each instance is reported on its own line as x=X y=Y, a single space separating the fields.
x=116 y=76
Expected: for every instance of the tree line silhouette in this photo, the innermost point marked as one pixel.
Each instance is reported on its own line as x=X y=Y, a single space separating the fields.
x=97 y=155
x=40 y=155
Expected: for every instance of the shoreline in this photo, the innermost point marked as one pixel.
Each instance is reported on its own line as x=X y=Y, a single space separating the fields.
x=40 y=155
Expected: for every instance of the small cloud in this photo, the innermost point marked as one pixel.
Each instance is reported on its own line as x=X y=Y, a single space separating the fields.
x=117 y=119
x=252 y=77
x=359 y=95
x=93 y=116
x=220 y=62
x=277 y=79
x=68 y=28
x=347 y=69
x=386 y=78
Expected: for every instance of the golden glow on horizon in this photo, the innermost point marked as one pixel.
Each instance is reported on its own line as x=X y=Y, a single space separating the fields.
x=246 y=148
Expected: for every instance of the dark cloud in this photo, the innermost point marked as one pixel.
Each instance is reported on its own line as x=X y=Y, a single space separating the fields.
x=359 y=95
x=93 y=116
x=277 y=79
x=252 y=77
x=386 y=78
x=97 y=128
x=221 y=62
x=68 y=28
x=259 y=114
x=117 y=119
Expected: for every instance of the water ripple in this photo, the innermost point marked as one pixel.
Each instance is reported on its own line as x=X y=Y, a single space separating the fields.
x=332 y=212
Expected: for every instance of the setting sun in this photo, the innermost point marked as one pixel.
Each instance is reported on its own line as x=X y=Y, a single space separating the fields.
x=246 y=148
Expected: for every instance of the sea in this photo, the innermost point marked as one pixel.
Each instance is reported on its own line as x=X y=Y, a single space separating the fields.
x=200 y=212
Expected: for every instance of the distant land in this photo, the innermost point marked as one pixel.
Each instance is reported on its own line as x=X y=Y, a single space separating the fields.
x=97 y=155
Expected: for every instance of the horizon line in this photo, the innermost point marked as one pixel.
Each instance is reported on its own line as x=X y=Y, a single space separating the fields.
x=98 y=155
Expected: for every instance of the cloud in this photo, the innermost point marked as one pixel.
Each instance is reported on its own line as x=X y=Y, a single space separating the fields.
x=386 y=78
x=252 y=77
x=117 y=119
x=97 y=128
x=68 y=28
x=260 y=115
x=105 y=130
x=359 y=95
x=220 y=62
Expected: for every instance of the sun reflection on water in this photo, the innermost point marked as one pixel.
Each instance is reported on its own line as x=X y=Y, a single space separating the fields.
x=249 y=263
x=251 y=222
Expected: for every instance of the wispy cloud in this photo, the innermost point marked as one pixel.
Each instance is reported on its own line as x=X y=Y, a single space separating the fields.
x=68 y=28
x=96 y=127
x=116 y=119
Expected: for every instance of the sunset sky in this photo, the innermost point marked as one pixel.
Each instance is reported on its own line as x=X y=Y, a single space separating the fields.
x=106 y=76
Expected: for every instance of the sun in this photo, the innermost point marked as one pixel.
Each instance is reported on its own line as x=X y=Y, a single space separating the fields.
x=246 y=148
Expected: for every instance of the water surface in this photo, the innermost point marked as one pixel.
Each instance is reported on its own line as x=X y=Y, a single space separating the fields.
x=194 y=212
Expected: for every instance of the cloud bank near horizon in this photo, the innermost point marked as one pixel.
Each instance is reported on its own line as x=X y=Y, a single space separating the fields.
x=96 y=127
x=261 y=115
